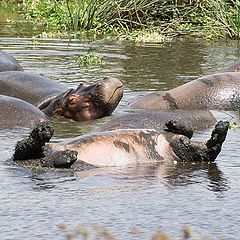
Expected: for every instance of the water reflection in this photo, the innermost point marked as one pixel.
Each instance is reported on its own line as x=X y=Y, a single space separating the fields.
x=188 y=173
x=217 y=181
x=161 y=67
x=128 y=178
x=163 y=175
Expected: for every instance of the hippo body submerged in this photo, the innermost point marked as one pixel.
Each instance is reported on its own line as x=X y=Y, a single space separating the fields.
x=214 y=92
x=54 y=99
x=29 y=87
x=18 y=113
x=8 y=63
x=156 y=119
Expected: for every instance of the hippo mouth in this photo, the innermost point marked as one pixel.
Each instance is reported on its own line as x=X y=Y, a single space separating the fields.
x=102 y=104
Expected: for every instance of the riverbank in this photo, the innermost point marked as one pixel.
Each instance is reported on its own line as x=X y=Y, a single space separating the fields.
x=138 y=20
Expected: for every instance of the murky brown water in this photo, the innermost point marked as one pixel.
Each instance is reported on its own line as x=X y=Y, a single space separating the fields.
x=204 y=197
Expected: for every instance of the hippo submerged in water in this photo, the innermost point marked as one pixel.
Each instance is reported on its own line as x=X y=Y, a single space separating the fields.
x=189 y=103
x=214 y=92
x=156 y=119
x=54 y=99
x=8 y=63
x=18 y=113
x=120 y=147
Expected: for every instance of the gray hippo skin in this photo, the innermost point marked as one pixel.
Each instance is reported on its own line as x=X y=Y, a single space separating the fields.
x=121 y=147
x=54 y=99
x=8 y=63
x=156 y=119
x=214 y=92
x=18 y=113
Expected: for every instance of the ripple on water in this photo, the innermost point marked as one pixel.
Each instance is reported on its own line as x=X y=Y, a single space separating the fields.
x=205 y=197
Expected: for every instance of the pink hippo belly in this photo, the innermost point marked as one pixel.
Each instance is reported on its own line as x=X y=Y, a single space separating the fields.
x=120 y=148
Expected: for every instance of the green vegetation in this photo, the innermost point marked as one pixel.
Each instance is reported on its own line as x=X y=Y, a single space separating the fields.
x=234 y=126
x=154 y=18
x=226 y=15
x=90 y=60
x=9 y=10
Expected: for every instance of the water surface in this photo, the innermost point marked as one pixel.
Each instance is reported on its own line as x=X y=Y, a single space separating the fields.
x=167 y=197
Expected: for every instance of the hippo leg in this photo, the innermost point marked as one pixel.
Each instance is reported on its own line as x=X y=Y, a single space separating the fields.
x=60 y=159
x=191 y=151
x=179 y=128
x=32 y=147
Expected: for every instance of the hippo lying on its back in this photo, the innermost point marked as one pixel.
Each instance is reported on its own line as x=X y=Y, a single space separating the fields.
x=8 y=63
x=18 y=113
x=120 y=147
x=214 y=92
x=54 y=99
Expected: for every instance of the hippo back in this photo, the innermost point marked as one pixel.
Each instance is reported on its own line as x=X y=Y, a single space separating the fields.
x=18 y=113
x=8 y=63
x=156 y=119
x=214 y=92
x=28 y=87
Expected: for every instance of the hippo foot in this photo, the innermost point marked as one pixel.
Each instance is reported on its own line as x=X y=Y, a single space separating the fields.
x=32 y=147
x=61 y=159
x=179 y=128
x=201 y=152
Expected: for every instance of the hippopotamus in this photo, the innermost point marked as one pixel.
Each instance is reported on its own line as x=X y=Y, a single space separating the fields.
x=156 y=119
x=8 y=63
x=86 y=102
x=120 y=147
x=213 y=92
x=18 y=113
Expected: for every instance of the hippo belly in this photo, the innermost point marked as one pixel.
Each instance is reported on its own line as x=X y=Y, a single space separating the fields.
x=8 y=63
x=18 y=113
x=119 y=148
x=141 y=146
x=28 y=87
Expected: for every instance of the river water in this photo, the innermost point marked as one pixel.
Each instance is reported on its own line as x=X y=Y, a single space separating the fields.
x=129 y=202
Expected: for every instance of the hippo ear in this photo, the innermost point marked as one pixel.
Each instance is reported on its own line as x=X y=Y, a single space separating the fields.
x=69 y=91
x=80 y=86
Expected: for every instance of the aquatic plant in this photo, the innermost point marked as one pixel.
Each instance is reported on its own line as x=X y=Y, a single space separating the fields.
x=90 y=59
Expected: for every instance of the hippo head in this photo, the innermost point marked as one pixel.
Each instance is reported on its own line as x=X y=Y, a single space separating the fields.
x=89 y=102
